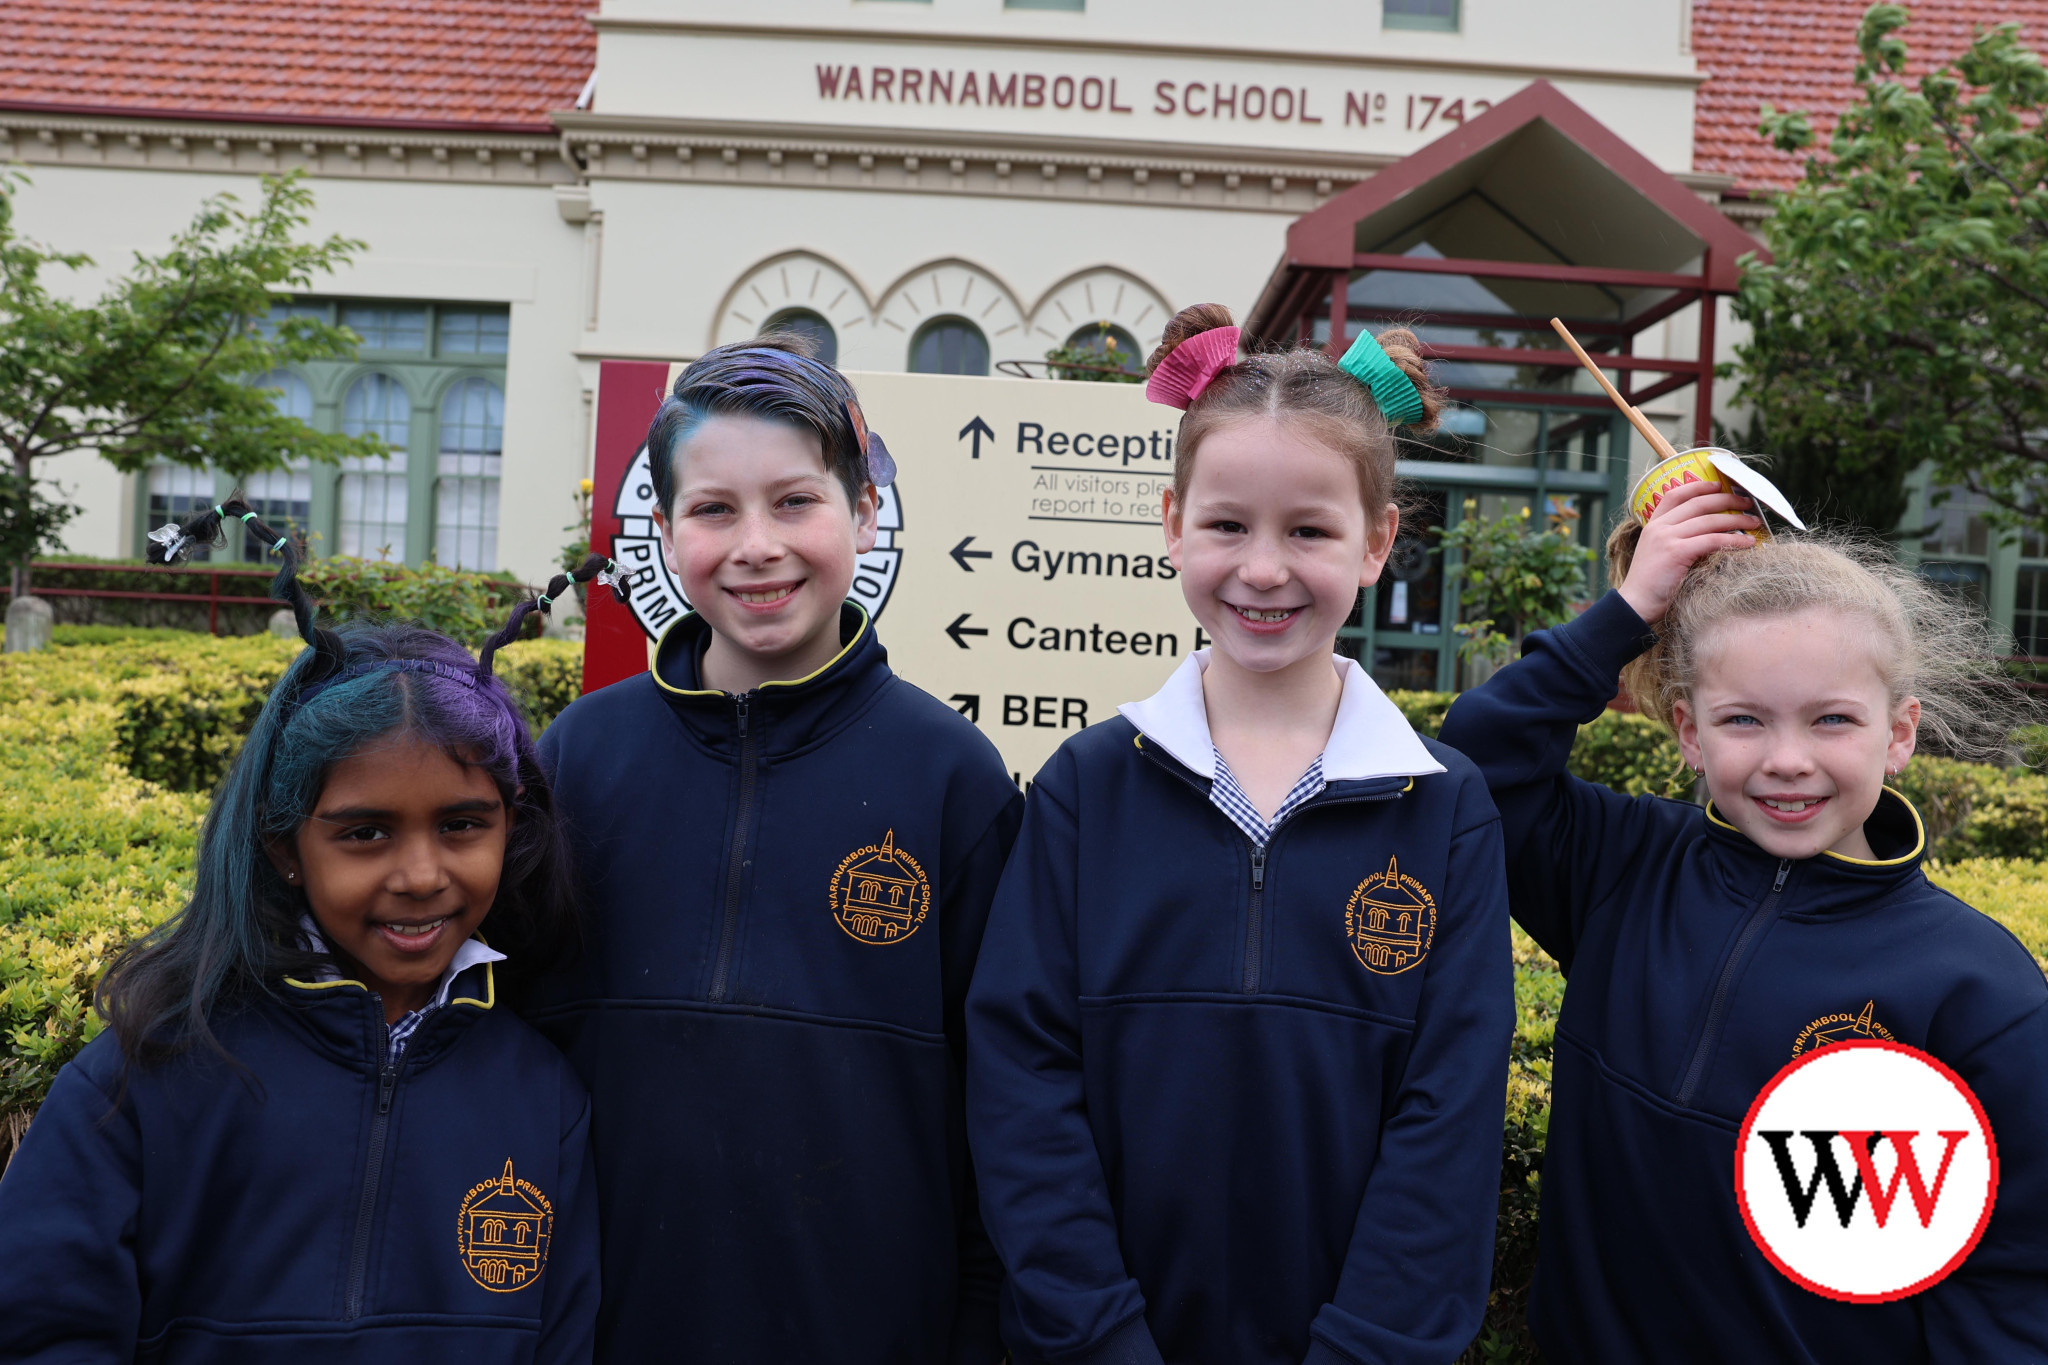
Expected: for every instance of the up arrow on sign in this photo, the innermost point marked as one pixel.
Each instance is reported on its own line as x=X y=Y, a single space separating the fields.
x=978 y=429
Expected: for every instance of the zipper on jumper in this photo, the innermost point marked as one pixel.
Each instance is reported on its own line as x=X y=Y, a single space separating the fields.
x=1717 y=1009
x=373 y=1175
x=1254 y=924
x=736 y=864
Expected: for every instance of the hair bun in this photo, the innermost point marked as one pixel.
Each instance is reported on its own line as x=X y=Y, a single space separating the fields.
x=1404 y=348
x=1188 y=322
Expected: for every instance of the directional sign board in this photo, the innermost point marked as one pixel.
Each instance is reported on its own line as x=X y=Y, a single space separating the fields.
x=1021 y=573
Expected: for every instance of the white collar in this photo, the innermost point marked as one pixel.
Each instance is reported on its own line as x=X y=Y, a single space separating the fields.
x=468 y=954
x=1371 y=738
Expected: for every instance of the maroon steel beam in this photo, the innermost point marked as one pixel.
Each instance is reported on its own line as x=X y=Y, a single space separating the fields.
x=1528 y=270
x=1662 y=387
x=1507 y=355
x=1498 y=322
x=1703 y=400
x=1540 y=398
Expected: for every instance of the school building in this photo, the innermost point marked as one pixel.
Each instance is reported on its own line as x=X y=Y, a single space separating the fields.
x=952 y=186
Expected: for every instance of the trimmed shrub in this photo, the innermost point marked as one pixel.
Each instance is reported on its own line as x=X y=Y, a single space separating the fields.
x=1630 y=753
x=469 y=607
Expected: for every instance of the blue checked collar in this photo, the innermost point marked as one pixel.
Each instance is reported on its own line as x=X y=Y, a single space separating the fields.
x=1371 y=738
x=1228 y=797
x=469 y=953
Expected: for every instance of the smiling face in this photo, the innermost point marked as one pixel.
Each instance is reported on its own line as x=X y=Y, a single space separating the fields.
x=764 y=542
x=400 y=862
x=1272 y=542
x=1795 y=726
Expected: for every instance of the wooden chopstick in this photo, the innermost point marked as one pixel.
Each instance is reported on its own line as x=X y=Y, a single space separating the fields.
x=1634 y=414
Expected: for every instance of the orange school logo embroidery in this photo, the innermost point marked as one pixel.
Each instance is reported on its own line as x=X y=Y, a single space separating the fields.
x=879 y=893
x=502 y=1231
x=1390 y=920
x=1840 y=1028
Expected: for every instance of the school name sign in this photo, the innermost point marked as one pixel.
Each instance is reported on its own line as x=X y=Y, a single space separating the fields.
x=1212 y=97
x=1021 y=572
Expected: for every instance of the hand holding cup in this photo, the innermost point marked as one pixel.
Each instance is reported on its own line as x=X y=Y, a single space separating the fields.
x=1690 y=523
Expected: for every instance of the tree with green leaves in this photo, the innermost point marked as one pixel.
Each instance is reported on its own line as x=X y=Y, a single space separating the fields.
x=1515 y=577
x=1905 y=318
x=167 y=364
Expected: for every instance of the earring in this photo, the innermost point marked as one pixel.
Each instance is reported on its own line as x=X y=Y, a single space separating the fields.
x=291 y=876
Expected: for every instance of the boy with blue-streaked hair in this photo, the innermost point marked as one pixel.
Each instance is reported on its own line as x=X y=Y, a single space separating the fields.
x=788 y=855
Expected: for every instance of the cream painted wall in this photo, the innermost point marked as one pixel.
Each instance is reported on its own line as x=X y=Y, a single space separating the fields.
x=672 y=253
x=1646 y=36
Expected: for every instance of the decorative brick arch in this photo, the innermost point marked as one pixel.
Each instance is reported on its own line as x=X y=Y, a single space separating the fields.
x=1100 y=294
x=945 y=288
x=796 y=279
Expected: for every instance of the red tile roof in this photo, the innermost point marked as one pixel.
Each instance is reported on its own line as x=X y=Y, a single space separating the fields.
x=1801 y=54
x=484 y=64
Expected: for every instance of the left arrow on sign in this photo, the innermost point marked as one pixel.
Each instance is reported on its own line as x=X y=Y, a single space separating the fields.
x=960 y=628
x=967 y=704
x=961 y=554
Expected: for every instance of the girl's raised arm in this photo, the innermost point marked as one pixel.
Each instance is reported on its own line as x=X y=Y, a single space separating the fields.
x=1569 y=841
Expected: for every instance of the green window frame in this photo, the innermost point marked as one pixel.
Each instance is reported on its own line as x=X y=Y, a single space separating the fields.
x=1439 y=16
x=415 y=355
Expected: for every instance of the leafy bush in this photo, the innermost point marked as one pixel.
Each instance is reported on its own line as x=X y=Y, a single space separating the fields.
x=470 y=607
x=1630 y=753
x=1975 y=811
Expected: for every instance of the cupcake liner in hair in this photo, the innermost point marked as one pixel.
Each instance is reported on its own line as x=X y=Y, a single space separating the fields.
x=1399 y=401
x=1190 y=367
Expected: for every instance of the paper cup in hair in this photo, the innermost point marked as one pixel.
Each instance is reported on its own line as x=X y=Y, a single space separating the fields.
x=1710 y=464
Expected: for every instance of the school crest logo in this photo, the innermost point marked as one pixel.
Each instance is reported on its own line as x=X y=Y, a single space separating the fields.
x=1840 y=1028
x=1390 y=920
x=657 y=599
x=502 y=1230
x=879 y=893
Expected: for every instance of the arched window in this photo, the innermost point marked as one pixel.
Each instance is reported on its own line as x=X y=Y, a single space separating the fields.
x=1111 y=345
x=282 y=497
x=373 y=492
x=466 y=496
x=804 y=322
x=949 y=346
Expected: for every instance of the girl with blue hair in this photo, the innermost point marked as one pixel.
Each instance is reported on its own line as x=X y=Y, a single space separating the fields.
x=313 y=1128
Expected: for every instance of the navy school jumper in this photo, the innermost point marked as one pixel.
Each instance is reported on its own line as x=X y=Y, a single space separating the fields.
x=1699 y=966
x=786 y=891
x=319 y=1205
x=1220 y=1112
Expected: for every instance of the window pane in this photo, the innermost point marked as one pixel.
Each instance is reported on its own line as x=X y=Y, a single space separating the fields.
x=177 y=492
x=804 y=322
x=292 y=398
x=466 y=493
x=1409 y=670
x=388 y=329
x=949 y=346
x=1436 y=14
x=1957 y=526
x=2030 y=613
x=373 y=514
x=283 y=498
x=378 y=405
x=280 y=311
x=474 y=333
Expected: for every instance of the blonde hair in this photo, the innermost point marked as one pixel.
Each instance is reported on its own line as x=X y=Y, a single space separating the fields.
x=1925 y=644
x=1305 y=388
